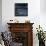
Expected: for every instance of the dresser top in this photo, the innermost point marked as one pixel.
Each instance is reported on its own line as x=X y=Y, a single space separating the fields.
x=19 y=23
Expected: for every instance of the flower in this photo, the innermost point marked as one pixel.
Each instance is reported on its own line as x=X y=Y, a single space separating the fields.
x=40 y=33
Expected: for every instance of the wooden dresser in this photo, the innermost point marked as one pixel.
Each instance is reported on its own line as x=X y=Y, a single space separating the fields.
x=22 y=33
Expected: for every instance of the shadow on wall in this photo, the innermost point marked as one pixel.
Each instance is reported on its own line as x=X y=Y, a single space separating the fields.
x=43 y=6
x=0 y=15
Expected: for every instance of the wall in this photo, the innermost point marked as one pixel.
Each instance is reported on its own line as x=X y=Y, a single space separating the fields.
x=8 y=11
x=43 y=14
x=34 y=15
x=0 y=15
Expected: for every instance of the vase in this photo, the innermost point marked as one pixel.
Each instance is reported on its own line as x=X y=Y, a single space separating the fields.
x=41 y=43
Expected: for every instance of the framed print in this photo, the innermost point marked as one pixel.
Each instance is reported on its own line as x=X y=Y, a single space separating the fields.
x=21 y=9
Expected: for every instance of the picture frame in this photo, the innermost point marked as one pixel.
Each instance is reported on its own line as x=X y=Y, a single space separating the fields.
x=21 y=9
